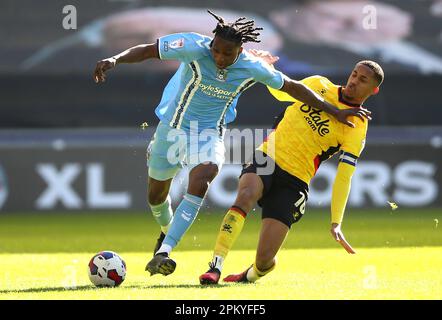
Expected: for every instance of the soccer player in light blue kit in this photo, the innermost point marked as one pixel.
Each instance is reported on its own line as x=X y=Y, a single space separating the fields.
x=196 y=105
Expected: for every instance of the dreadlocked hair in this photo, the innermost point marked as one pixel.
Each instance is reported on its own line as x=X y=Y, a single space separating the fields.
x=239 y=31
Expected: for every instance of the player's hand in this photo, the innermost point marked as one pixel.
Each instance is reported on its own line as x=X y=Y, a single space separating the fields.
x=102 y=67
x=361 y=113
x=264 y=55
x=339 y=237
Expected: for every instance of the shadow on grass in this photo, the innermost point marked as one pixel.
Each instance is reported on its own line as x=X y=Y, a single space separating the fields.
x=91 y=287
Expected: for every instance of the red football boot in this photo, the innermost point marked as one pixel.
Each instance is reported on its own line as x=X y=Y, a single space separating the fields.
x=241 y=277
x=211 y=276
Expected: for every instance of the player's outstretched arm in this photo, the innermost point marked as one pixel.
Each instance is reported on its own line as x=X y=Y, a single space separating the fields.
x=302 y=93
x=132 y=55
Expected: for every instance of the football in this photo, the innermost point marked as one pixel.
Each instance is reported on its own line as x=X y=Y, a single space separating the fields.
x=107 y=269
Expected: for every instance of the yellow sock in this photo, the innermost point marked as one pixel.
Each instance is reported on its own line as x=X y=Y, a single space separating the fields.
x=230 y=229
x=254 y=273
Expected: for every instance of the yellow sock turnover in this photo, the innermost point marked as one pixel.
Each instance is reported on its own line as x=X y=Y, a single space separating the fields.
x=254 y=273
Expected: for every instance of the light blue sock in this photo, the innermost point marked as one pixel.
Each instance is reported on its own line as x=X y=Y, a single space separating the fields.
x=183 y=218
x=162 y=213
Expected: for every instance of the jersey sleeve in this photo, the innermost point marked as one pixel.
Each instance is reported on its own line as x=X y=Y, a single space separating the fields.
x=354 y=141
x=266 y=74
x=184 y=47
x=341 y=191
x=351 y=149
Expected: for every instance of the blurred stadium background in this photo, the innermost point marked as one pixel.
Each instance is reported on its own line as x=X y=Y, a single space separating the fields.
x=71 y=149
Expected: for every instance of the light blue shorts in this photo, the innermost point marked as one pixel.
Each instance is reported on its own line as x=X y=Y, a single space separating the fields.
x=171 y=149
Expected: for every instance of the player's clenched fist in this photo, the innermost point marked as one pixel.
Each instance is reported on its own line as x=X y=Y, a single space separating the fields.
x=102 y=67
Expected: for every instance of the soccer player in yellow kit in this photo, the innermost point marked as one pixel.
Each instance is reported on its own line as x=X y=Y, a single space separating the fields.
x=300 y=142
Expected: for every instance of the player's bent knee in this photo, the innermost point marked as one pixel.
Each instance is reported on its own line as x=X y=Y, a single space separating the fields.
x=199 y=188
x=210 y=171
x=201 y=177
x=248 y=195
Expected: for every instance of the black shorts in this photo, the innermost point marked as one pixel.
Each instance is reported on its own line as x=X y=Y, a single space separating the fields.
x=284 y=196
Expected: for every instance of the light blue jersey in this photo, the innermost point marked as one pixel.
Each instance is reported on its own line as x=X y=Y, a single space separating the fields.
x=199 y=91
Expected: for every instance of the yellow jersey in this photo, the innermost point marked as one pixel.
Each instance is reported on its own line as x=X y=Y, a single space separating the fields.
x=305 y=137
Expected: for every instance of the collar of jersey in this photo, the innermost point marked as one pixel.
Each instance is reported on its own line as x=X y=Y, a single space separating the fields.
x=341 y=100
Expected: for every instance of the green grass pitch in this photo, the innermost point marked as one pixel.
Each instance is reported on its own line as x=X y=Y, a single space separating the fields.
x=399 y=256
